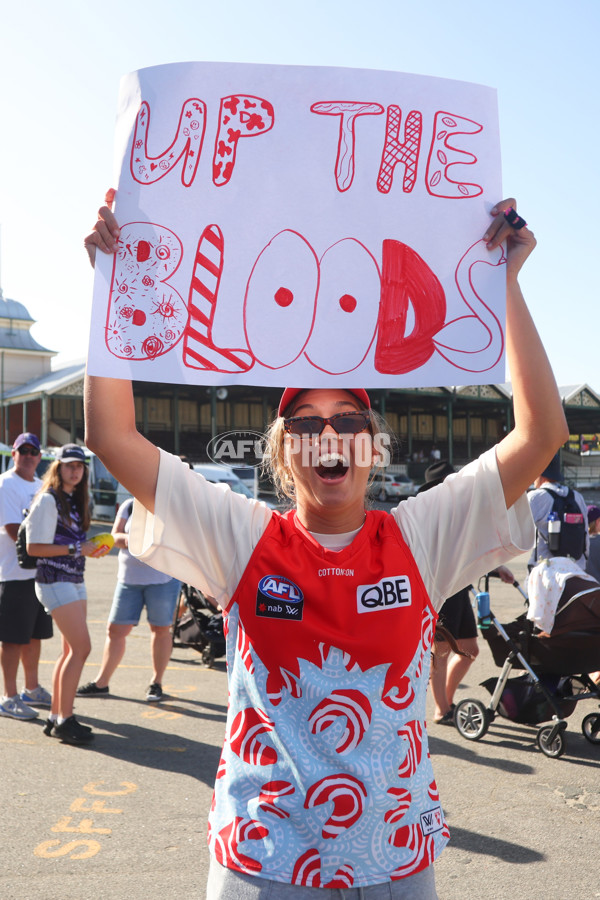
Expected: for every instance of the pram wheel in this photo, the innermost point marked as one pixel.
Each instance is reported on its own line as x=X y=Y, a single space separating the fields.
x=591 y=728
x=472 y=719
x=208 y=656
x=550 y=746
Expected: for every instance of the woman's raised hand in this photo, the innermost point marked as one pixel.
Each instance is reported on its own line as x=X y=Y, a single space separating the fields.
x=520 y=240
x=105 y=233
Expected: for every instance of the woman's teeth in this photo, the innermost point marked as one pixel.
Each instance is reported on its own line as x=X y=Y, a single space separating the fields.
x=330 y=465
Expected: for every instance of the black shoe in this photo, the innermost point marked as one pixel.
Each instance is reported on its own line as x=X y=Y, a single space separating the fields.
x=447 y=718
x=84 y=727
x=73 y=732
x=91 y=689
x=154 y=692
x=50 y=723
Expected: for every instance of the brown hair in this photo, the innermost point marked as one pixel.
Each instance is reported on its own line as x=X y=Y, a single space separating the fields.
x=52 y=481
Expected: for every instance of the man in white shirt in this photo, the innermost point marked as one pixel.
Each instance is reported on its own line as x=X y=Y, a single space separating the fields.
x=24 y=623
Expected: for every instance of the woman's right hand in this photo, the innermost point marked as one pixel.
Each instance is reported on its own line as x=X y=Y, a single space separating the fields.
x=519 y=242
x=89 y=548
x=105 y=233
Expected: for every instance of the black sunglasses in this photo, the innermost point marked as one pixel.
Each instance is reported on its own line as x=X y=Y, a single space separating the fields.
x=342 y=423
x=28 y=451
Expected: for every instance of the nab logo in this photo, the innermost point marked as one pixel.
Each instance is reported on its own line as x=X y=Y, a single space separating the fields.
x=389 y=593
x=279 y=598
x=432 y=820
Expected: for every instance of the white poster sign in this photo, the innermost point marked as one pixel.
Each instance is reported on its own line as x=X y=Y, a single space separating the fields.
x=285 y=225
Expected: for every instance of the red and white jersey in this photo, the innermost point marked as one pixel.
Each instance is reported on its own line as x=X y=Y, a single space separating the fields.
x=325 y=778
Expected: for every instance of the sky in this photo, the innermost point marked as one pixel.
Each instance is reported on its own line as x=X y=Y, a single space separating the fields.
x=60 y=67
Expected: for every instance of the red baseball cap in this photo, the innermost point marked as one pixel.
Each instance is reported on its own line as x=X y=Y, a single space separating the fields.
x=291 y=393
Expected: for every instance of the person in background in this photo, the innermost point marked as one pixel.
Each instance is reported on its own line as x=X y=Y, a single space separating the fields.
x=451 y=664
x=592 y=564
x=24 y=624
x=456 y=615
x=56 y=535
x=541 y=502
x=138 y=586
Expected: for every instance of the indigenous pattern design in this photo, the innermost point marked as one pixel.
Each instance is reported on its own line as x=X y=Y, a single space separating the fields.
x=325 y=778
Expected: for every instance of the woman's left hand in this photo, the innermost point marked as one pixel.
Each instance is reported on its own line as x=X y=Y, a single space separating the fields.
x=519 y=241
x=105 y=233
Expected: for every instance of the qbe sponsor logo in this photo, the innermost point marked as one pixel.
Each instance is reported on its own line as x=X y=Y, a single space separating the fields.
x=432 y=820
x=389 y=593
x=278 y=597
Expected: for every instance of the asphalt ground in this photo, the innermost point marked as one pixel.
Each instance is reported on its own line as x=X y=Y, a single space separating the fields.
x=126 y=816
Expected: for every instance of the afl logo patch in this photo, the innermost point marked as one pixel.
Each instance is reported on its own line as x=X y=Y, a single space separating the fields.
x=279 y=598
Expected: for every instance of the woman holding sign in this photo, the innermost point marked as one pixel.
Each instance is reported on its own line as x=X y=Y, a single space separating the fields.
x=325 y=779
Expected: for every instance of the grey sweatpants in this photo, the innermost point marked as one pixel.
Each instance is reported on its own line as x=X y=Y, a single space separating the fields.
x=227 y=884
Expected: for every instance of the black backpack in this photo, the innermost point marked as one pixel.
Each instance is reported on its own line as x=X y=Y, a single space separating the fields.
x=23 y=558
x=573 y=525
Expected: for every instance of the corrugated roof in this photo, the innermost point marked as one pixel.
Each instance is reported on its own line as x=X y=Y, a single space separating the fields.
x=50 y=383
x=20 y=339
x=567 y=392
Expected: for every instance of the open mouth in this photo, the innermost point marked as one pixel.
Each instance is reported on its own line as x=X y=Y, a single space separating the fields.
x=332 y=466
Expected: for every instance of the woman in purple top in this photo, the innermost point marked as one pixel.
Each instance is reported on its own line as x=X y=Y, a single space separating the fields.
x=56 y=535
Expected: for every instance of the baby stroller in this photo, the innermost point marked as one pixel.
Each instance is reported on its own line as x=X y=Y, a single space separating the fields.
x=198 y=624
x=556 y=670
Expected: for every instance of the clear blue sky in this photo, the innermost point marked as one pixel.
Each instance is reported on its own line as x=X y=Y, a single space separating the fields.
x=60 y=66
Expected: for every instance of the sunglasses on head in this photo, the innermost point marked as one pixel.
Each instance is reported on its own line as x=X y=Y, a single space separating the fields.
x=28 y=451
x=342 y=423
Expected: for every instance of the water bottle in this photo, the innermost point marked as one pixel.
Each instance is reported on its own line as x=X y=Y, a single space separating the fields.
x=553 y=523
x=484 y=619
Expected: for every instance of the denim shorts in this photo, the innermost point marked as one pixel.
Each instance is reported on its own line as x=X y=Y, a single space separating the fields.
x=60 y=593
x=130 y=599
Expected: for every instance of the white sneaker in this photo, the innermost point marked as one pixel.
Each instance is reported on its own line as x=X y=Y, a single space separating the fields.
x=14 y=708
x=37 y=697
